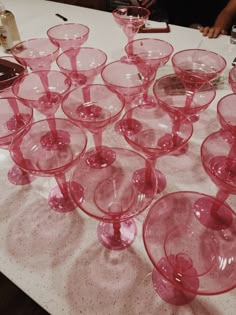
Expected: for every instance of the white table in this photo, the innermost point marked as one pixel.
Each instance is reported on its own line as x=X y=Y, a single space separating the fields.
x=56 y=259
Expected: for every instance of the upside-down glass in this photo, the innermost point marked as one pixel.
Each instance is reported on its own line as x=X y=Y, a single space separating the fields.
x=131 y=18
x=152 y=131
x=114 y=195
x=30 y=152
x=36 y=53
x=189 y=259
x=68 y=35
x=14 y=118
x=82 y=64
x=94 y=107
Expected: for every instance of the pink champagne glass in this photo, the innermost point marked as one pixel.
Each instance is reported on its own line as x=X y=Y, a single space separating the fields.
x=68 y=35
x=82 y=64
x=43 y=91
x=152 y=131
x=171 y=95
x=155 y=53
x=226 y=114
x=14 y=118
x=115 y=195
x=232 y=79
x=218 y=159
x=186 y=255
x=32 y=154
x=195 y=67
x=36 y=53
x=94 y=107
x=128 y=77
x=11 y=70
x=130 y=18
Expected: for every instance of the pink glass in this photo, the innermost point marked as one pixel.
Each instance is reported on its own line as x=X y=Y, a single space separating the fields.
x=114 y=195
x=31 y=153
x=226 y=113
x=188 y=258
x=36 y=53
x=130 y=18
x=232 y=79
x=218 y=157
x=14 y=118
x=129 y=77
x=155 y=53
x=172 y=95
x=82 y=64
x=11 y=70
x=152 y=131
x=94 y=107
x=68 y=35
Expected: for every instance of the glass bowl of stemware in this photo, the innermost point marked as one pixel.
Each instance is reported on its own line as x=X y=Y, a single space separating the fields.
x=68 y=35
x=82 y=65
x=232 y=79
x=189 y=258
x=36 y=53
x=53 y=157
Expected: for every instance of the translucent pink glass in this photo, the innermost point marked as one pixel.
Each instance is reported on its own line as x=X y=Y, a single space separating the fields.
x=82 y=64
x=218 y=155
x=68 y=35
x=114 y=195
x=130 y=18
x=189 y=259
x=152 y=131
x=232 y=79
x=42 y=90
x=128 y=76
x=155 y=53
x=226 y=113
x=172 y=95
x=11 y=70
x=14 y=118
x=32 y=153
x=94 y=107
x=36 y=53
x=197 y=66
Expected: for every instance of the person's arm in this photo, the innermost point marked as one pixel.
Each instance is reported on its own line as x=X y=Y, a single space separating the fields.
x=223 y=21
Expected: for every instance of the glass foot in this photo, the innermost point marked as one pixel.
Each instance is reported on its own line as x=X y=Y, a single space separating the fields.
x=100 y=157
x=63 y=204
x=168 y=291
x=55 y=140
x=17 y=176
x=117 y=241
x=213 y=214
x=144 y=182
x=128 y=126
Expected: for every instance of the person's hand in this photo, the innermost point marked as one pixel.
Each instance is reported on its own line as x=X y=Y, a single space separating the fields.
x=212 y=32
x=147 y=3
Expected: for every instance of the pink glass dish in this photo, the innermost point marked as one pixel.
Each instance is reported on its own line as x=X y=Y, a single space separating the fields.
x=36 y=53
x=177 y=243
x=114 y=195
x=226 y=113
x=82 y=64
x=35 y=154
x=68 y=35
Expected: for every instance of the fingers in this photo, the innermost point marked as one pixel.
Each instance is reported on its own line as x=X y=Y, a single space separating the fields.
x=147 y=3
x=211 y=32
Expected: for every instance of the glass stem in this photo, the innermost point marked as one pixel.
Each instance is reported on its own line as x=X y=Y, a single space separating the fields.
x=97 y=138
x=117 y=233
x=62 y=184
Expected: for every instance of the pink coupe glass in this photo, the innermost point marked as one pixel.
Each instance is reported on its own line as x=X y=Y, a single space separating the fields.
x=152 y=131
x=130 y=18
x=189 y=259
x=155 y=53
x=14 y=118
x=114 y=195
x=36 y=53
x=226 y=113
x=232 y=79
x=129 y=77
x=32 y=154
x=11 y=70
x=68 y=35
x=94 y=107
x=82 y=64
